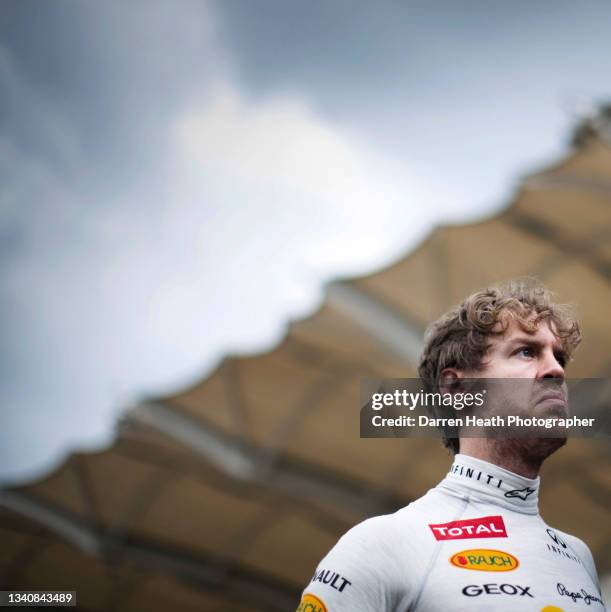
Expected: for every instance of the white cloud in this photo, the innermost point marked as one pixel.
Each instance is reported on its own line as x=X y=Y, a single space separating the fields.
x=347 y=205
x=137 y=286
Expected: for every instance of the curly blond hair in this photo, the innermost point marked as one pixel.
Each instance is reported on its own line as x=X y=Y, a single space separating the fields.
x=460 y=338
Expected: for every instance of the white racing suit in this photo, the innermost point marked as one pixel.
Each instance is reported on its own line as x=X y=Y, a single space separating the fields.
x=475 y=543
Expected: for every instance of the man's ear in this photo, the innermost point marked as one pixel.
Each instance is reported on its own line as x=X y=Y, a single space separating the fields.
x=449 y=380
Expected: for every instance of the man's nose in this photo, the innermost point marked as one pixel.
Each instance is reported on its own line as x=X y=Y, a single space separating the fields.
x=550 y=367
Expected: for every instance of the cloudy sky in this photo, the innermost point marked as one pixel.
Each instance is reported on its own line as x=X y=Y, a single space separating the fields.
x=178 y=179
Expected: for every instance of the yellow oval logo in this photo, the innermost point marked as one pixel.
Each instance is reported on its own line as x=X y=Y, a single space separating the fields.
x=485 y=560
x=551 y=609
x=311 y=603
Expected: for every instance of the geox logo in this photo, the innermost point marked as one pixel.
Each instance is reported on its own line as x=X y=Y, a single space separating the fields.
x=474 y=590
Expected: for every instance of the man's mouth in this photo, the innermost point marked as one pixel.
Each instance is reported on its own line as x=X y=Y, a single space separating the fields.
x=552 y=403
x=552 y=397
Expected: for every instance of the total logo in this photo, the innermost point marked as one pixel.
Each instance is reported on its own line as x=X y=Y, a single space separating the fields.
x=485 y=560
x=484 y=527
x=474 y=590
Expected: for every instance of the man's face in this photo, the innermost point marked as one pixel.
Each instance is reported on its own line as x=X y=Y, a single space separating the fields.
x=524 y=373
x=531 y=366
x=519 y=354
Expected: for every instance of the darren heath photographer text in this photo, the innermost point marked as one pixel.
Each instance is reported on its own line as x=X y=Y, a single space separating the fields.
x=473 y=421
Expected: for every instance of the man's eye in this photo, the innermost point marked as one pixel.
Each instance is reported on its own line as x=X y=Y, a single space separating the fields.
x=561 y=359
x=526 y=351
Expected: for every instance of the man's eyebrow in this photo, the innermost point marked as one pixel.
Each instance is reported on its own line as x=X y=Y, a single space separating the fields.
x=530 y=341
x=525 y=340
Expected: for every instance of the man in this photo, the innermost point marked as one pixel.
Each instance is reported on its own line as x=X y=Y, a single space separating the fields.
x=476 y=541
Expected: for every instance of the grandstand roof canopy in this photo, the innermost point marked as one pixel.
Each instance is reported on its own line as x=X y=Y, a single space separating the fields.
x=225 y=495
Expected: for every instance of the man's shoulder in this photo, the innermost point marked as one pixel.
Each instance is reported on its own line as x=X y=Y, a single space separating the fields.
x=373 y=565
x=573 y=541
x=375 y=531
x=406 y=523
x=381 y=562
x=580 y=548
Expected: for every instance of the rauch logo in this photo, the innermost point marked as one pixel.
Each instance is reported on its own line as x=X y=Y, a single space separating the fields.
x=484 y=560
x=311 y=603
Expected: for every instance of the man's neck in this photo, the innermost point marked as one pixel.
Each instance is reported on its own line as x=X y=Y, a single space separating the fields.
x=523 y=456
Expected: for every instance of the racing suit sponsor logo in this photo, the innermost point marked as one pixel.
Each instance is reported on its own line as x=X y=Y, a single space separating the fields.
x=484 y=527
x=557 y=539
x=332 y=579
x=490 y=480
x=485 y=560
x=474 y=474
x=560 y=547
x=474 y=590
x=582 y=595
x=311 y=603
x=520 y=493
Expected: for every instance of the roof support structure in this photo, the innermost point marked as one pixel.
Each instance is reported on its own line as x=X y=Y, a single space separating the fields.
x=401 y=336
x=221 y=450
x=578 y=250
x=566 y=180
x=204 y=572
x=245 y=462
x=43 y=514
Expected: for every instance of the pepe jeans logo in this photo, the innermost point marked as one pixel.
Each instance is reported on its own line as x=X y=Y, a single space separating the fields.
x=577 y=595
x=484 y=527
x=484 y=560
x=520 y=493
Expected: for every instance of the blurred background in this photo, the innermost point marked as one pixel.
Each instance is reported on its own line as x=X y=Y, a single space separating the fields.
x=216 y=217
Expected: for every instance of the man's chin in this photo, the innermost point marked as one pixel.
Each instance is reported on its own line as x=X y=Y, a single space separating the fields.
x=529 y=451
x=551 y=408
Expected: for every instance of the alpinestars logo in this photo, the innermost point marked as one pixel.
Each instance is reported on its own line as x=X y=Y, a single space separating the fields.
x=520 y=493
x=484 y=527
